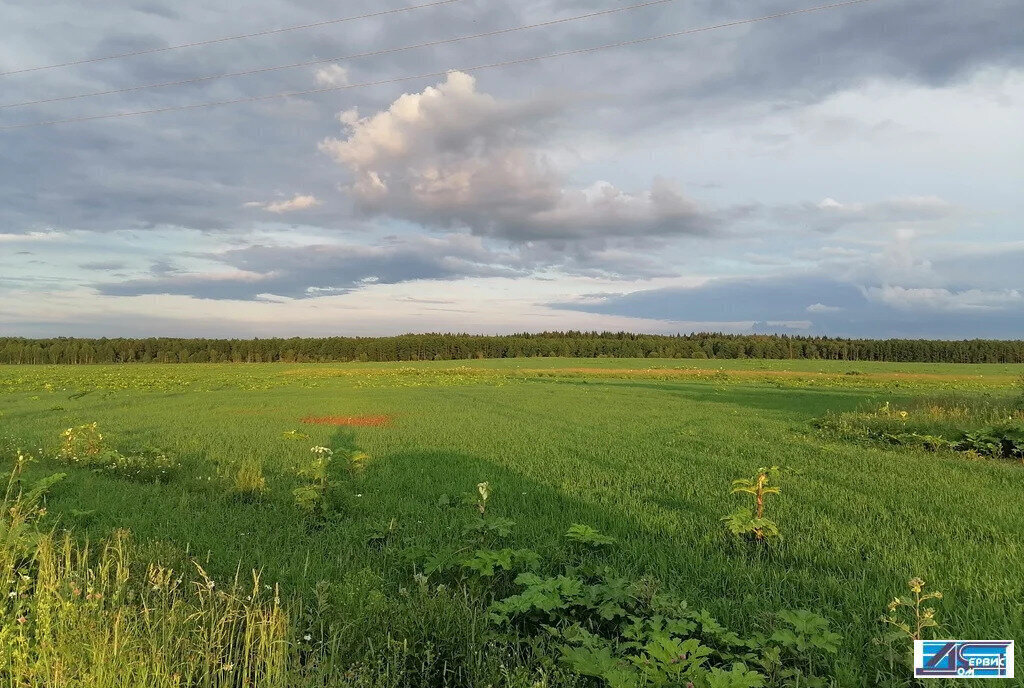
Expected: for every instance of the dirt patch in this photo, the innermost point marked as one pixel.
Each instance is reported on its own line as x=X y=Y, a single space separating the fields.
x=350 y=421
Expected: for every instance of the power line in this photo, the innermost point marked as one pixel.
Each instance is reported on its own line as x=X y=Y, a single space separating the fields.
x=308 y=63
x=225 y=39
x=426 y=75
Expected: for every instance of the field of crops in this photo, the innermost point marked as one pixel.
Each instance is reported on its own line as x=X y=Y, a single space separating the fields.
x=353 y=489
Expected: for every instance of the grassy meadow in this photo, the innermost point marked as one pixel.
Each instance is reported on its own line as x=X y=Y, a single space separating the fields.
x=644 y=451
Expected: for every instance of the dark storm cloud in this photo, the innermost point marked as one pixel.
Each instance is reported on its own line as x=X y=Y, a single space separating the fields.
x=316 y=270
x=813 y=303
x=804 y=59
x=984 y=268
x=299 y=272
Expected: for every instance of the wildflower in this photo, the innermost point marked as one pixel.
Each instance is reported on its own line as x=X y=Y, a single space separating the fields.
x=22 y=619
x=307 y=637
x=12 y=594
x=916 y=584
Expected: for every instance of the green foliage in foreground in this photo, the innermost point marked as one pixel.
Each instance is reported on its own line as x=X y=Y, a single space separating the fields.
x=645 y=460
x=75 y=616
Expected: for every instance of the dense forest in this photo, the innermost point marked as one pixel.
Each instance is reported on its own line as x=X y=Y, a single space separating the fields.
x=417 y=347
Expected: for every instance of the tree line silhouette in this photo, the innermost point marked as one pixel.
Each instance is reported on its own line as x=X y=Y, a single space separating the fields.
x=418 y=347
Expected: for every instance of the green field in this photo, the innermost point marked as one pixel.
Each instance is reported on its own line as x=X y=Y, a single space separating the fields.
x=642 y=450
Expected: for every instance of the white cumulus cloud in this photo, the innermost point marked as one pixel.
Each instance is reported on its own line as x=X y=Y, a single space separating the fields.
x=452 y=156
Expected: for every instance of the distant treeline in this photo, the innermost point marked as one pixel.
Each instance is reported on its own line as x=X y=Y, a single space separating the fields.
x=446 y=347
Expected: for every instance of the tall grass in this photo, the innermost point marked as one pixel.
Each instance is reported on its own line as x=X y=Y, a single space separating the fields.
x=97 y=615
x=83 y=615
x=644 y=459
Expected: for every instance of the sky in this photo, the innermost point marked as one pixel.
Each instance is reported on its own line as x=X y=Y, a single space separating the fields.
x=856 y=171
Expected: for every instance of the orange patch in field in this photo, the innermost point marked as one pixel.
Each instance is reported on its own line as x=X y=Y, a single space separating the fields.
x=353 y=421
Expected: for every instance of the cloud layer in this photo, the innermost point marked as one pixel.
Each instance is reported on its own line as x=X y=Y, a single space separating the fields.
x=316 y=270
x=854 y=171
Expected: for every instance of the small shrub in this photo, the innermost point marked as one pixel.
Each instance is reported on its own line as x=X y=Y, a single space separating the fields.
x=1005 y=442
x=587 y=535
x=249 y=480
x=803 y=641
x=81 y=442
x=355 y=463
x=312 y=497
x=83 y=446
x=480 y=558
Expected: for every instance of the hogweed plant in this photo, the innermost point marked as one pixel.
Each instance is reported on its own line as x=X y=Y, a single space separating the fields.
x=485 y=526
x=588 y=536
x=909 y=616
x=312 y=497
x=908 y=619
x=484 y=490
x=750 y=521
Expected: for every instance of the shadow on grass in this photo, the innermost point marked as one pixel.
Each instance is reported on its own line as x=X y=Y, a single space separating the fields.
x=788 y=399
x=676 y=539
